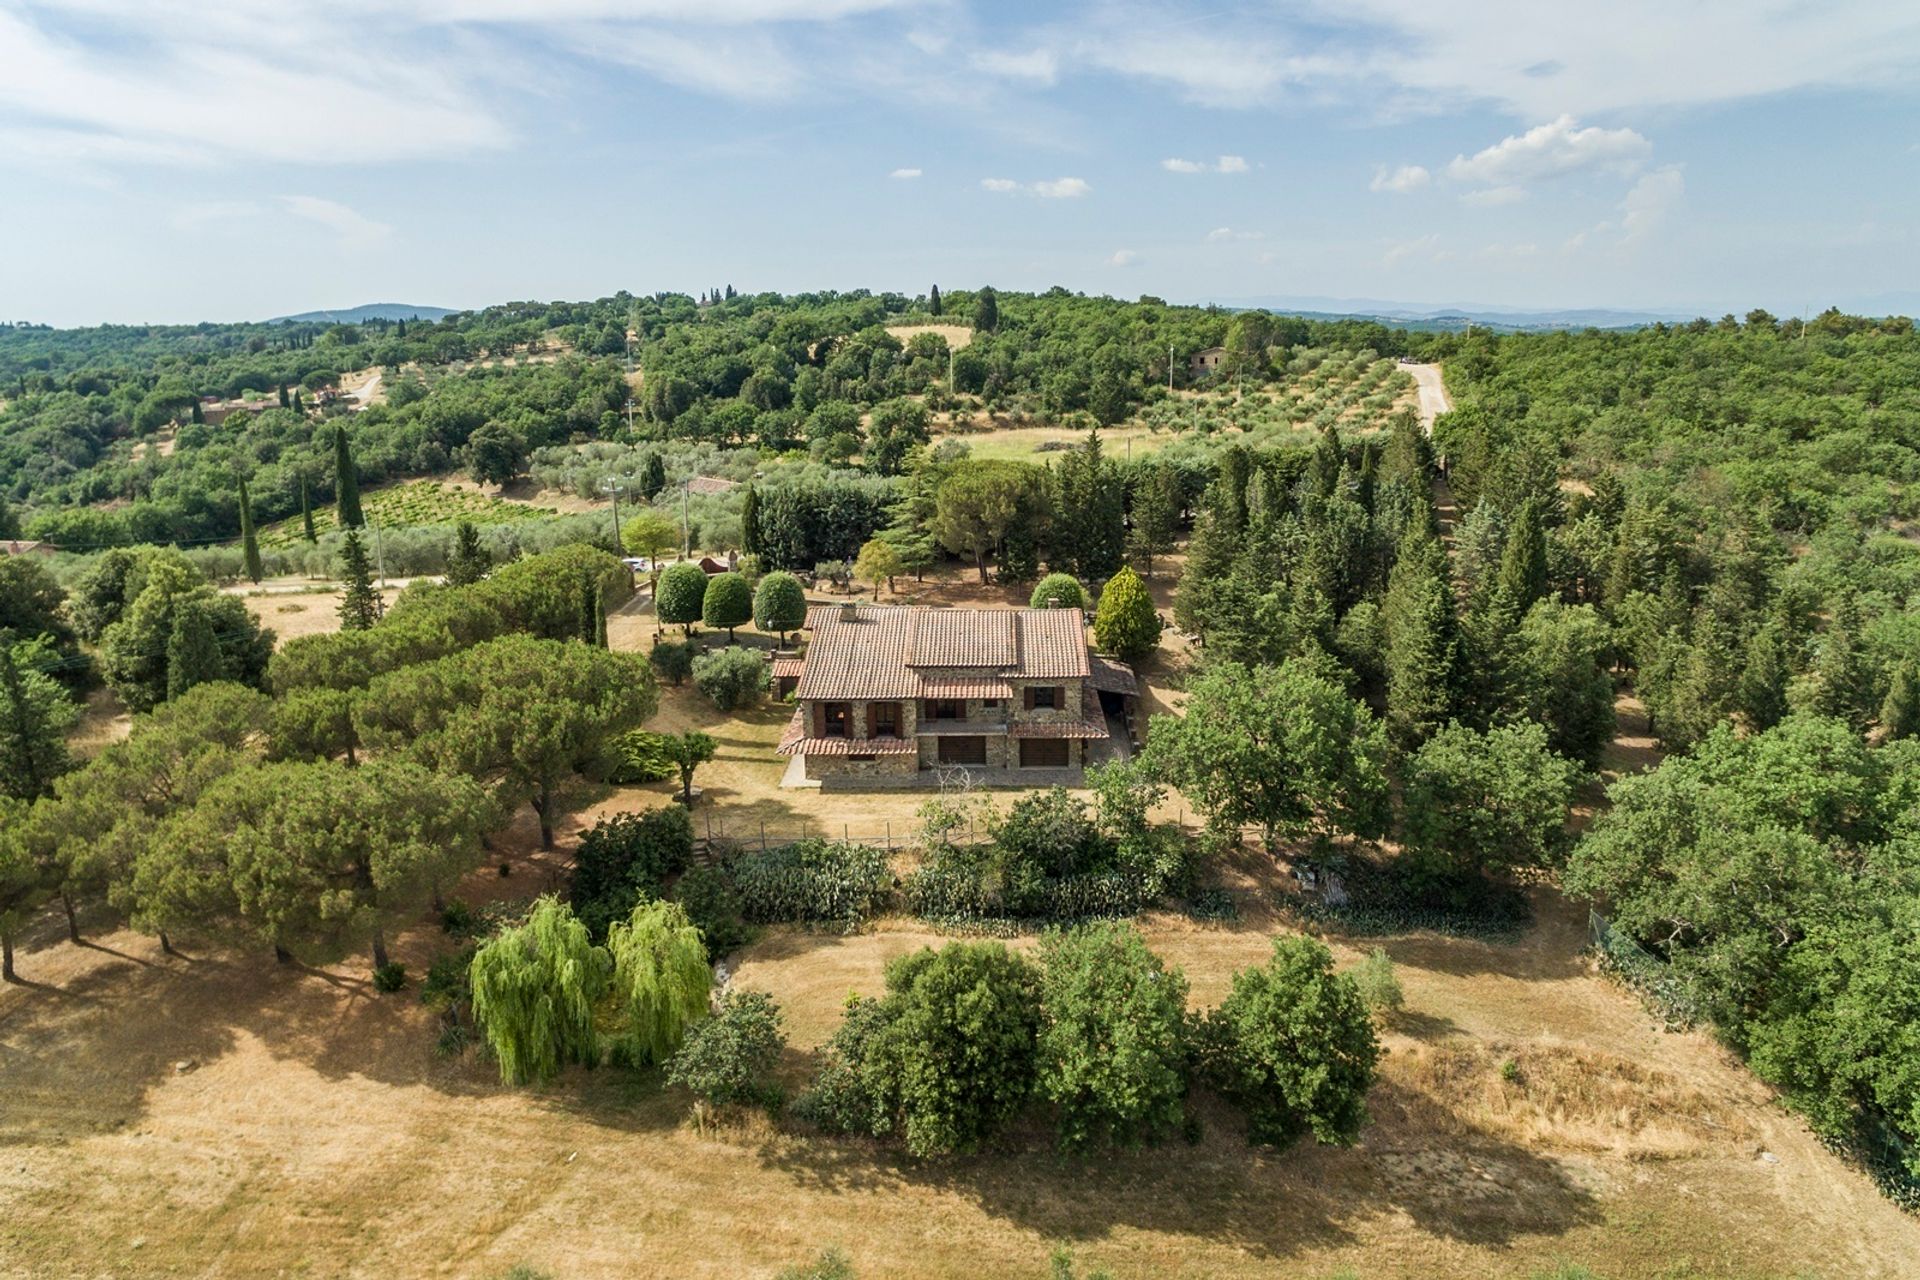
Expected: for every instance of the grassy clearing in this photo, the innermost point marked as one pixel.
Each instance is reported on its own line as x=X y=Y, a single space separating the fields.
x=416 y=502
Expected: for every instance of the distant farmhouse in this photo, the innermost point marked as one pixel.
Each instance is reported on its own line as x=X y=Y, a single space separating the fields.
x=1202 y=363
x=899 y=695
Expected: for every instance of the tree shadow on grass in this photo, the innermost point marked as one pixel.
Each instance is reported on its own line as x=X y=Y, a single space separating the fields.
x=1452 y=1180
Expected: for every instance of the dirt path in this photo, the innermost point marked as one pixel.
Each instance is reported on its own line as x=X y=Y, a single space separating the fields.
x=1432 y=389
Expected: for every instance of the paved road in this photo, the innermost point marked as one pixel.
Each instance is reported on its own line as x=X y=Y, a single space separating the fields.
x=1434 y=399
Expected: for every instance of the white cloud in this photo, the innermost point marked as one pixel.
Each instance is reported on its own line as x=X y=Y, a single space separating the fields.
x=1046 y=188
x=1400 y=181
x=904 y=173
x=356 y=231
x=1037 y=67
x=1221 y=235
x=1224 y=164
x=191 y=217
x=1204 y=65
x=1491 y=197
x=1061 y=189
x=1124 y=258
x=1400 y=250
x=1652 y=198
x=749 y=65
x=1537 y=61
x=1552 y=150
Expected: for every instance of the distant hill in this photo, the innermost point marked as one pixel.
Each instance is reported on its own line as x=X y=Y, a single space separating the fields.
x=1398 y=315
x=371 y=311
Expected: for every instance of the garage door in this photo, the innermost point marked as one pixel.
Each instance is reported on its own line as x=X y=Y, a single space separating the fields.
x=1043 y=753
x=963 y=751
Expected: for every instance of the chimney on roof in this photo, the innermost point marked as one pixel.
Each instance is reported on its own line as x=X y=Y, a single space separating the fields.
x=1053 y=602
x=849 y=611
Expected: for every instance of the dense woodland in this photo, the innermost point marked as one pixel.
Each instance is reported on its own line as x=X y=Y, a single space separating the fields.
x=1409 y=657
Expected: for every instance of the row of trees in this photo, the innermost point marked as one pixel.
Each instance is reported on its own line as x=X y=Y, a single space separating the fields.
x=312 y=818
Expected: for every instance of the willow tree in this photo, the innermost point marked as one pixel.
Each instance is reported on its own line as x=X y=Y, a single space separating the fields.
x=535 y=988
x=660 y=975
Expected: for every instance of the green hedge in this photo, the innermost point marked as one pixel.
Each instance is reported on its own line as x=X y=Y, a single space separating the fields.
x=810 y=880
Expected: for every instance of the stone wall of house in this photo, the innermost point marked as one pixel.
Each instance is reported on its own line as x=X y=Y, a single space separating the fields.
x=830 y=768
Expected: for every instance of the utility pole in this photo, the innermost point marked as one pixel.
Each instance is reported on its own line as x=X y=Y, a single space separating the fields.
x=686 y=525
x=379 y=556
x=611 y=487
x=1169 y=368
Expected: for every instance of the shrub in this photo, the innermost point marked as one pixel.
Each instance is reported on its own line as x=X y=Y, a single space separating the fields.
x=713 y=904
x=780 y=604
x=640 y=756
x=673 y=659
x=1062 y=586
x=1113 y=1049
x=1377 y=984
x=390 y=977
x=813 y=880
x=830 y=1265
x=1294 y=1046
x=733 y=677
x=682 y=595
x=732 y=1055
x=625 y=858
x=944 y=1058
x=728 y=603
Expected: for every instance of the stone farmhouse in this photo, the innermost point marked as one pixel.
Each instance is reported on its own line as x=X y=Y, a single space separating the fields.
x=901 y=696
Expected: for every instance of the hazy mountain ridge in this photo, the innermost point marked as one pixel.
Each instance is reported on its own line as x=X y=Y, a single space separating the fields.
x=366 y=311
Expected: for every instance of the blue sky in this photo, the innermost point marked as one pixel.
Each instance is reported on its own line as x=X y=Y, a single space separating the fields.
x=169 y=160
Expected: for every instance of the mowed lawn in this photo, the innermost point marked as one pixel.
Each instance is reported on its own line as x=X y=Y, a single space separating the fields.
x=217 y=1114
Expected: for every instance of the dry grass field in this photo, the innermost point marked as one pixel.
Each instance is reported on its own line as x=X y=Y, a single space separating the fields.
x=219 y=1115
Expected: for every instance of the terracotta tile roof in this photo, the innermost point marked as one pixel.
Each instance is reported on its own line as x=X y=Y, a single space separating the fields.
x=862 y=658
x=874 y=653
x=1111 y=676
x=965 y=638
x=790 y=736
x=1053 y=644
x=788 y=668
x=964 y=687
x=710 y=484
x=1093 y=726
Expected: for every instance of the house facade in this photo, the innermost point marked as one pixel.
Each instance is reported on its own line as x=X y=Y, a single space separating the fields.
x=897 y=695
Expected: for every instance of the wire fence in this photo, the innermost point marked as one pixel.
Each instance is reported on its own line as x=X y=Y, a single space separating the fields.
x=1670 y=995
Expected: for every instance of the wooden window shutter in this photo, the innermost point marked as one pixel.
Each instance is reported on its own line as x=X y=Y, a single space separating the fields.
x=1029 y=694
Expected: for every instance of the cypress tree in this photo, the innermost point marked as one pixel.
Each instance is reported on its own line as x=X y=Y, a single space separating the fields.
x=986 y=310
x=933 y=301
x=249 y=540
x=750 y=541
x=306 y=509
x=35 y=714
x=360 y=605
x=197 y=414
x=1422 y=638
x=286 y=401
x=653 y=476
x=589 y=607
x=600 y=617
x=346 y=482
x=9 y=520
x=193 y=654
x=1523 y=565
x=469 y=561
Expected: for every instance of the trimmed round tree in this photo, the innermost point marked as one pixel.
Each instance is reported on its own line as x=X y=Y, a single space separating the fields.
x=1295 y=1047
x=682 y=595
x=1126 y=624
x=1061 y=587
x=728 y=603
x=780 y=604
